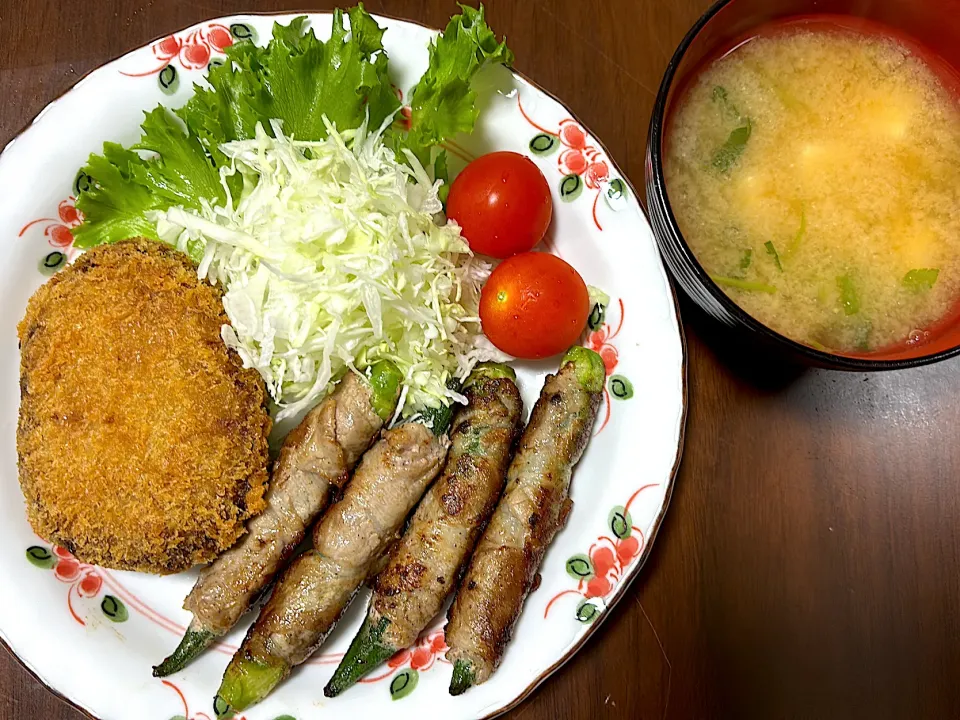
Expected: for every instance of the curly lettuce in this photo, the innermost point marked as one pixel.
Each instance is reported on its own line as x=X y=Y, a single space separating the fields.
x=287 y=180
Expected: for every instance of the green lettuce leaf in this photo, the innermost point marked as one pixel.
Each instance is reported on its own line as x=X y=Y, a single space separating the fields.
x=182 y=172
x=443 y=103
x=296 y=79
x=126 y=186
x=115 y=205
x=229 y=109
x=303 y=79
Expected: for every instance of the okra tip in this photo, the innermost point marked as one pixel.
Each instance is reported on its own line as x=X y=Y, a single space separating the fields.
x=463 y=677
x=192 y=644
x=385 y=380
x=366 y=652
x=245 y=683
x=589 y=367
x=490 y=370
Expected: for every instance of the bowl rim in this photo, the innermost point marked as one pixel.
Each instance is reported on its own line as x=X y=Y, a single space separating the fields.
x=657 y=193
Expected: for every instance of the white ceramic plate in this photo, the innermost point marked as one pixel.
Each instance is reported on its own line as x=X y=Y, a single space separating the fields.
x=92 y=634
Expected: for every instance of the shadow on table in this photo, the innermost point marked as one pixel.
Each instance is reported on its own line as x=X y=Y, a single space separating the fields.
x=761 y=365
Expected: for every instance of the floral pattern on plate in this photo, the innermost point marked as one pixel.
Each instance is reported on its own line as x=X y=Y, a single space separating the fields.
x=83 y=580
x=599 y=571
x=198 y=49
x=609 y=242
x=580 y=163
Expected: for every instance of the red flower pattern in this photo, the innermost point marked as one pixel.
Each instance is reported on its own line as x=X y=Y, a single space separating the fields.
x=406 y=117
x=84 y=579
x=192 y=50
x=601 y=342
x=429 y=648
x=598 y=341
x=57 y=230
x=578 y=156
x=610 y=558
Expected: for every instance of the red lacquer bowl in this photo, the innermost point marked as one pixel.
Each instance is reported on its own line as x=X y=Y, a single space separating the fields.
x=930 y=28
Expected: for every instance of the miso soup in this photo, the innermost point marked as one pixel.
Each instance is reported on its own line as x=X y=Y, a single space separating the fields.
x=816 y=176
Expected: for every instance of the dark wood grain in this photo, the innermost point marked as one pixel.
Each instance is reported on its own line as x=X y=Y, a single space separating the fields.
x=808 y=567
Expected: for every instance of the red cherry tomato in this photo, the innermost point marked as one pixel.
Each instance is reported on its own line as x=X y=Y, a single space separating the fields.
x=502 y=203
x=534 y=305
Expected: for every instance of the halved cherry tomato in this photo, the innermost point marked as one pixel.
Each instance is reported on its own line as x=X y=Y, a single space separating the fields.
x=501 y=201
x=534 y=305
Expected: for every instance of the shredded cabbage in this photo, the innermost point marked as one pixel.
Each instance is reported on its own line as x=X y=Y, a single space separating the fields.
x=335 y=257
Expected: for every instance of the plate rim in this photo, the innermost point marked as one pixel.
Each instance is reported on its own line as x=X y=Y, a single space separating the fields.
x=641 y=560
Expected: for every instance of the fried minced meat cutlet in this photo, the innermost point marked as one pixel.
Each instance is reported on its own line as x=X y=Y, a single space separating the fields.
x=142 y=440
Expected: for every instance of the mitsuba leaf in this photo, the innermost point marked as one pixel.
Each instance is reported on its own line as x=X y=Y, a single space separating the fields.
x=727 y=154
x=921 y=279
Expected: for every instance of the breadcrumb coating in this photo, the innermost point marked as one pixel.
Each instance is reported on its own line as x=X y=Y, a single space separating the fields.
x=142 y=440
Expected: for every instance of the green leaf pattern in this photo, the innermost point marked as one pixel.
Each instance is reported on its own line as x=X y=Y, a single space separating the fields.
x=51 y=262
x=579 y=567
x=242 y=31
x=616 y=194
x=620 y=387
x=41 y=557
x=570 y=187
x=544 y=144
x=620 y=522
x=403 y=683
x=587 y=612
x=597 y=315
x=169 y=79
x=114 y=609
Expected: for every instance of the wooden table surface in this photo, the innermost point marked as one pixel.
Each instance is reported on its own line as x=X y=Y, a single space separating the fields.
x=808 y=566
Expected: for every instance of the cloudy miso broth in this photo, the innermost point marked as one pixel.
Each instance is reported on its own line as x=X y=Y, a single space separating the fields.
x=816 y=176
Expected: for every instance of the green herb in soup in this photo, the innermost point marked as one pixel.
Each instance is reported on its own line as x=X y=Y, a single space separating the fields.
x=849 y=299
x=728 y=154
x=921 y=279
x=798 y=238
x=816 y=176
x=743 y=284
x=772 y=252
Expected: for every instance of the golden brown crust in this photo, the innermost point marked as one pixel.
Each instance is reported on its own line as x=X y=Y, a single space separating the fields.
x=142 y=440
x=315 y=462
x=316 y=588
x=438 y=541
x=488 y=625
x=535 y=505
